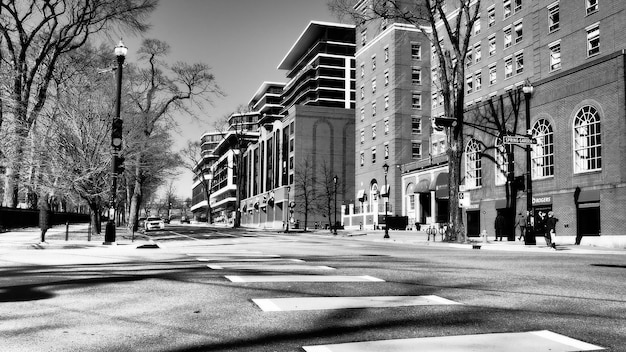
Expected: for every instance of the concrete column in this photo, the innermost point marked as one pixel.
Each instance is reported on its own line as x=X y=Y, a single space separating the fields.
x=433 y=206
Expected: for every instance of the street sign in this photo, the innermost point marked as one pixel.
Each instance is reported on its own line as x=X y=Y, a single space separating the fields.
x=518 y=140
x=464 y=199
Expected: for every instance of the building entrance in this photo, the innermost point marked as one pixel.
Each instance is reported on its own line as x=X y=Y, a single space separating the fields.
x=473 y=223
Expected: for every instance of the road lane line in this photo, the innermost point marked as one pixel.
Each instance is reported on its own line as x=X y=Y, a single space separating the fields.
x=269 y=267
x=535 y=341
x=330 y=303
x=301 y=278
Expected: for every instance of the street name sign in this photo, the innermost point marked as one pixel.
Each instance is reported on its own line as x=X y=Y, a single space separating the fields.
x=518 y=140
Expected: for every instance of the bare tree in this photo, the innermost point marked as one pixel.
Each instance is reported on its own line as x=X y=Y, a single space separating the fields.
x=327 y=192
x=157 y=91
x=450 y=37
x=192 y=160
x=305 y=189
x=35 y=36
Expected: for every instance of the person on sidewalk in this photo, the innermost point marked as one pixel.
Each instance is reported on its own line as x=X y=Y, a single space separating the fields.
x=499 y=226
x=44 y=217
x=551 y=230
x=521 y=223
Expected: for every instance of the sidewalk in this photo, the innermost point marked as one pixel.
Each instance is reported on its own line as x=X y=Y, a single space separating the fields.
x=421 y=238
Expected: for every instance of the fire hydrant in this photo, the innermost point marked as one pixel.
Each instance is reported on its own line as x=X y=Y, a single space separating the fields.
x=484 y=235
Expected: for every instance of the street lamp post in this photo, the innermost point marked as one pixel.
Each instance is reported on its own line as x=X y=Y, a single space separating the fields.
x=386 y=169
x=335 y=179
x=116 y=145
x=529 y=238
x=288 y=208
x=208 y=201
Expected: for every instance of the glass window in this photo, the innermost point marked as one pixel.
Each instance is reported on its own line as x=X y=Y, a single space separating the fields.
x=492 y=45
x=587 y=140
x=416 y=75
x=508 y=39
x=492 y=75
x=363 y=37
x=362 y=92
x=416 y=100
x=477 y=53
x=518 y=5
x=386 y=51
x=592 y=6
x=519 y=63
x=416 y=125
x=477 y=25
x=373 y=131
x=362 y=136
x=362 y=157
x=491 y=16
x=362 y=69
x=478 y=80
x=553 y=17
x=362 y=114
x=386 y=78
x=542 y=153
x=386 y=102
x=373 y=62
x=416 y=51
x=508 y=67
x=555 y=56
x=502 y=165
x=506 y=8
x=433 y=98
x=469 y=84
x=386 y=150
x=386 y=123
x=416 y=150
x=373 y=108
x=473 y=172
x=593 y=40
x=373 y=155
x=519 y=32
x=374 y=85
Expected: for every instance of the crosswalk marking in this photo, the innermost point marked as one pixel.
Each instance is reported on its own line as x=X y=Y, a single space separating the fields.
x=324 y=303
x=269 y=267
x=302 y=278
x=249 y=260
x=536 y=341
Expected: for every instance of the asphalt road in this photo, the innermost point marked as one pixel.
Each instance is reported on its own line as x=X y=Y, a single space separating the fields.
x=168 y=299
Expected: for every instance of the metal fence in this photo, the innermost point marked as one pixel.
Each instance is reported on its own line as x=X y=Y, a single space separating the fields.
x=11 y=218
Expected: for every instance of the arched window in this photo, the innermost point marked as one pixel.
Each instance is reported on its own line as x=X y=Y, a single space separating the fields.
x=542 y=153
x=587 y=140
x=502 y=162
x=473 y=172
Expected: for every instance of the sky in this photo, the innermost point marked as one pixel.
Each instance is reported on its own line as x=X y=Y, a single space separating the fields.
x=243 y=41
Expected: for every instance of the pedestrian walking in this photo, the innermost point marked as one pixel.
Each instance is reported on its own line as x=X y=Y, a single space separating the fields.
x=550 y=233
x=499 y=226
x=521 y=223
x=44 y=217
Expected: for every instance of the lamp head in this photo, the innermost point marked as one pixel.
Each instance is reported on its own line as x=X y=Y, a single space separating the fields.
x=121 y=49
x=386 y=168
x=527 y=88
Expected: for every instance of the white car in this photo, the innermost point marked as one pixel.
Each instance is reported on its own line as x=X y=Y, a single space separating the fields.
x=154 y=223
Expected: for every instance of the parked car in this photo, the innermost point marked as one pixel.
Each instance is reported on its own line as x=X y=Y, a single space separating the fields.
x=184 y=219
x=154 y=223
x=141 y=222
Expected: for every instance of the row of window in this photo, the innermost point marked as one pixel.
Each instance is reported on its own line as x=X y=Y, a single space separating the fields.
x=416 y=152
x=416 y=128
x=586 y=150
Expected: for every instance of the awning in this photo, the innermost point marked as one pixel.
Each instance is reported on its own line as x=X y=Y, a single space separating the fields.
x=384 y=191
x=589 y=196
x=361 y=195
x=423 y=186
x=441 y=186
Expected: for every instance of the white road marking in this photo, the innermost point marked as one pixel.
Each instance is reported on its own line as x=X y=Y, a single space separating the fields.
x=536 y=341
x=302 y=278
x=248 y=260
x=269 y=267
x=325 y=303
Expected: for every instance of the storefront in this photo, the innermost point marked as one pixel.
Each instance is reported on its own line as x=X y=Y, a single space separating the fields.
x=541 y=206
x=442 y=198
x=587 y=213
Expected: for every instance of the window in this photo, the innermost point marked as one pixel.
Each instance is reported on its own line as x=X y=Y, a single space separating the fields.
x=502 y=164
x=542 y=153
x=492 y=75
x=373 y=108
x=416 y=75
x=373 y=131
x=519 y=32
x=477 y=25
x=508 y=40
x=492 y=45
x=386 y=102
x=518 y=5
x=373 y=155
x=473 y=172
x=433 y=98
x=363 y=37
x=593 y=40
x=386 y=150
x=362 y=92
x=416 y=100
x=386 y=124
x=386 y=77
x=508 y=67
x=491 y=16
x=553 y=17
x=416 y=150
x=416 y=51
x=469 y=84
x=519 y=62
x=478 y=81
x=477 y=53
x=362 y=135
x=373 y=85
x=362 y=114
x=362 y=69
x=555 y=56
x=469 y=59
x=506 y=8
x=386 y=51
x=416 y=125
x=362 y=157
x=592 y=6
x=587 y=140
x=373 y=62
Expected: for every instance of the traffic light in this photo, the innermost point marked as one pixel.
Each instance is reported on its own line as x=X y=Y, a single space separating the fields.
x=119 y=164
x=116 y=133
